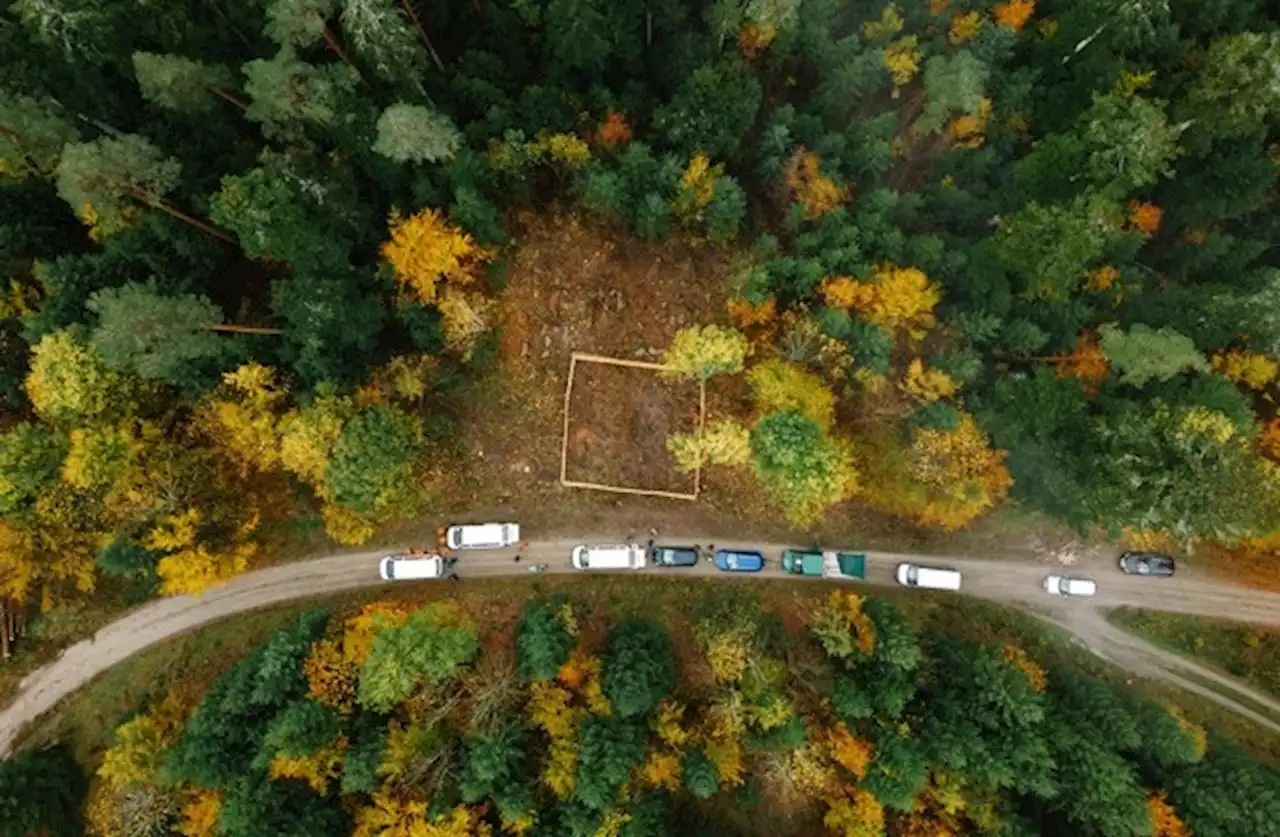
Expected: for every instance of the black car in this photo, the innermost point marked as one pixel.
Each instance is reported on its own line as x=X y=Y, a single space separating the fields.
x=1146 y=563
x=673 y=556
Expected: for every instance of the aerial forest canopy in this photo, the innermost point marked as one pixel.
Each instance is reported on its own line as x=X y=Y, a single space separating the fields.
x=408 y=720
x=981 y=253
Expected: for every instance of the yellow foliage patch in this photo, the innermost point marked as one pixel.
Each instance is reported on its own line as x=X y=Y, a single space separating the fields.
x=1164 y=819
x=813 y=190
x=1249 y=369
x=317 y=770
x=927 y=385
x=964 y=27
x=200 y=813
x=779 y=385
x=562 y=767
x=426 y=250
x=754 y=39
x=331 y=677
x=854 y=812
x=191 y=571
x=848 y=751
x=968 y=129
x=902 y=60
x=661 y=770
x=613 y=131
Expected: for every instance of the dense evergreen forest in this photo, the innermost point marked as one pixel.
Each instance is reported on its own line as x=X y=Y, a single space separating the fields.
x=980 y=252
x=403 y=720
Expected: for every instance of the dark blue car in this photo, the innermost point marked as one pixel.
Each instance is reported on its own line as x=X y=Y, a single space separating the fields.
x=733 y=561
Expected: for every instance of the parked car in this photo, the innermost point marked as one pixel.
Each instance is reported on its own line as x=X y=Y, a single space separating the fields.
x=410 y=567
x=1065 y=585
x=734 y=561
x=825 y=564
x=1147 y=563
x=482 y=535
x=673 y=556
x=610 y=557
x=933 y=578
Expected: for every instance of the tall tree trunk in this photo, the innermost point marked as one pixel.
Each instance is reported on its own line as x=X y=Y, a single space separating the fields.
x=422 y=32
x=225 y=96
x=239 y=329
x=155 y=201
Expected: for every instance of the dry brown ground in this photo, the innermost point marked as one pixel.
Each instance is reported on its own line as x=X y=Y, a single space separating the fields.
x=619 y=420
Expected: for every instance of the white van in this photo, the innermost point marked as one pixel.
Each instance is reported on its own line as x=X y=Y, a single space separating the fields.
x=612 y=557
x=483 y=536
x=404 y=568
x=934 y=578
x=1065 y=585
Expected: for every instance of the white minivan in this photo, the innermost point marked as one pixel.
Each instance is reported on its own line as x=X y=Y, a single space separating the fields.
x=483 y=536
x=405 y=568
x=1065 y=585
x=611 y=557
x=934 y=578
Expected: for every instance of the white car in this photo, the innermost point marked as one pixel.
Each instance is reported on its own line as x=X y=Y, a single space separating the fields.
x=483 y=536
x=932 y=578
x=410 y=568
x=611 y=557
x=1065 y=585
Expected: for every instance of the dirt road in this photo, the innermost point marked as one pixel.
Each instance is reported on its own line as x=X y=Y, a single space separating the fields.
x=1015 y=582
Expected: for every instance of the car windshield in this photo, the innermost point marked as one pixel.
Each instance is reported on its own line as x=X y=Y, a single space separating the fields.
x=912 y=574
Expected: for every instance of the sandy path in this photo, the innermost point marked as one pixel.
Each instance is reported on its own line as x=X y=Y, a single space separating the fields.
x=1006 y=581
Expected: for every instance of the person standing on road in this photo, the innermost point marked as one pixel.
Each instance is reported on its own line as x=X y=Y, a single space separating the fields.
x=516 y=560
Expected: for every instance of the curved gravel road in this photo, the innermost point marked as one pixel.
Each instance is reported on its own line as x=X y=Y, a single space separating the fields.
x=1007 y=581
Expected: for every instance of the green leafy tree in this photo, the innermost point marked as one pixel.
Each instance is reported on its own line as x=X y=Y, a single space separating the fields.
x=543 y=641
x=492 y=765
x=1130 y=143
x=727 y=210
x=700 y=776
x=103 y=180
x=299 y=23
x=713 y=109
x=159 y=337
x=638 y=668
x=609 y=749
x=302 y=728
x=413 y=133
x=31 y=135
x=332 y=322
x=380 y=34
x=1228 y=794
x=954 y=85
x=1050 y=247
x=899 y=770
x=364 y=756
x=182 y=84
x=1184 y=471
x=30 y=456
x=41 y=792
x=264 y=808
x=806 y=471
x=289 y=209
x=1144 y=354
x=286 y=93
x=223 y=736
x=433 y=644
x=1233 y=92
x=371 y=470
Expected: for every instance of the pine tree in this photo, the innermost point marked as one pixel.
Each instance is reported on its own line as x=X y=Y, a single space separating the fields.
x=413 y=133
x=182 y=84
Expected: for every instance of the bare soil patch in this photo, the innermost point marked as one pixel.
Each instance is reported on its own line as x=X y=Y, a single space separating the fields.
x=619 y=421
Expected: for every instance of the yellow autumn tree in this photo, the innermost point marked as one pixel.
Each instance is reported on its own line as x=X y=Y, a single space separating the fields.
x=98 y=456
x=962 y=475
x=847 y=750
x=1017 y=657
x=139 y=745
x=200 y=813
x=332 y=677
x=778 y=385
x=192 y=571
x=425 y=250
x=964 y=27
x=308 y=435
x=927 y=385
x=854 y=812
x=902 y=60
x=904 y=300
x=722 y=442
x=816 y=193
x=699 y=352
x=697 y=188
x=1250 y=369
x=242 y=419
x=69 y=383
x=1144 y=217
x=316 y=769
